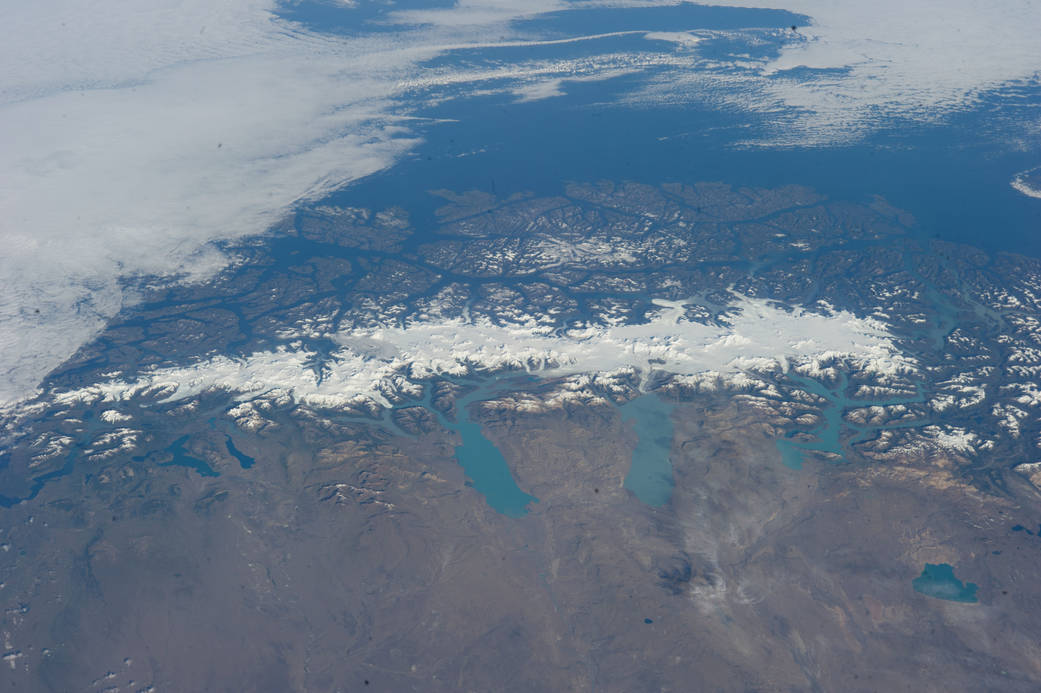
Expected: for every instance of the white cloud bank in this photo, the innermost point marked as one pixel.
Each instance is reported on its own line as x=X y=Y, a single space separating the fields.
x=891 y=58
x=133 y=134
x=757 y=336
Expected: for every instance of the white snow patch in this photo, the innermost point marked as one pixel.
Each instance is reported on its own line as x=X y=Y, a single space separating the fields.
x=112 y=416
x=758 y=335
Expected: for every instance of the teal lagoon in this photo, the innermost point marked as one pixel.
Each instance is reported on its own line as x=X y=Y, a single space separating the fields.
x=937 y=580
x=650 y=475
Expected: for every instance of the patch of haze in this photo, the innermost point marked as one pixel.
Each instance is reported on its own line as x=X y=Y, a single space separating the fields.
x=591 y=68
x=549 y=88
x=537 y=43
x=536 y=91
x=683 y=38
x=471 y=13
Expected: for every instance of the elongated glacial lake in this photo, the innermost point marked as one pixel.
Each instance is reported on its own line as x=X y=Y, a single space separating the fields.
x=483 y=463
x=650 y=475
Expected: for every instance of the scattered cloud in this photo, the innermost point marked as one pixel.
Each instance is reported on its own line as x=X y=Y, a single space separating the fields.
x=859 y=65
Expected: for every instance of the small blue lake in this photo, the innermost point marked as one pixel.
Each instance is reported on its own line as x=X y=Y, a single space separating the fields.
x=937 y=580
x=245 y=461
x=650 y=475
x=181 y=458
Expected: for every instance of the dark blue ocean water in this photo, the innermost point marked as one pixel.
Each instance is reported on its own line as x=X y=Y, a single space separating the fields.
x=324 y=16
x=957 y=189
x=684 y=16
x=952 y=175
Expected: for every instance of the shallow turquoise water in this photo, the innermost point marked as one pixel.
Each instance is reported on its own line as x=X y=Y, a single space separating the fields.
x=650 y=476
x=482 y=461
x=937 y=580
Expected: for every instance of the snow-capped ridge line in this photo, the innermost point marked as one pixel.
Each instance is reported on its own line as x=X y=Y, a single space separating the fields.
x=755 y=336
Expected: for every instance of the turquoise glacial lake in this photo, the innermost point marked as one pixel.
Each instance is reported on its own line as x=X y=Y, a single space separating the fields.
x=937 y=580
x=650 y=475
x=483 y=462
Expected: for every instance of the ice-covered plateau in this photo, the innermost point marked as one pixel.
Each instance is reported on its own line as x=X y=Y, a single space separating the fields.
x=384 y=365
